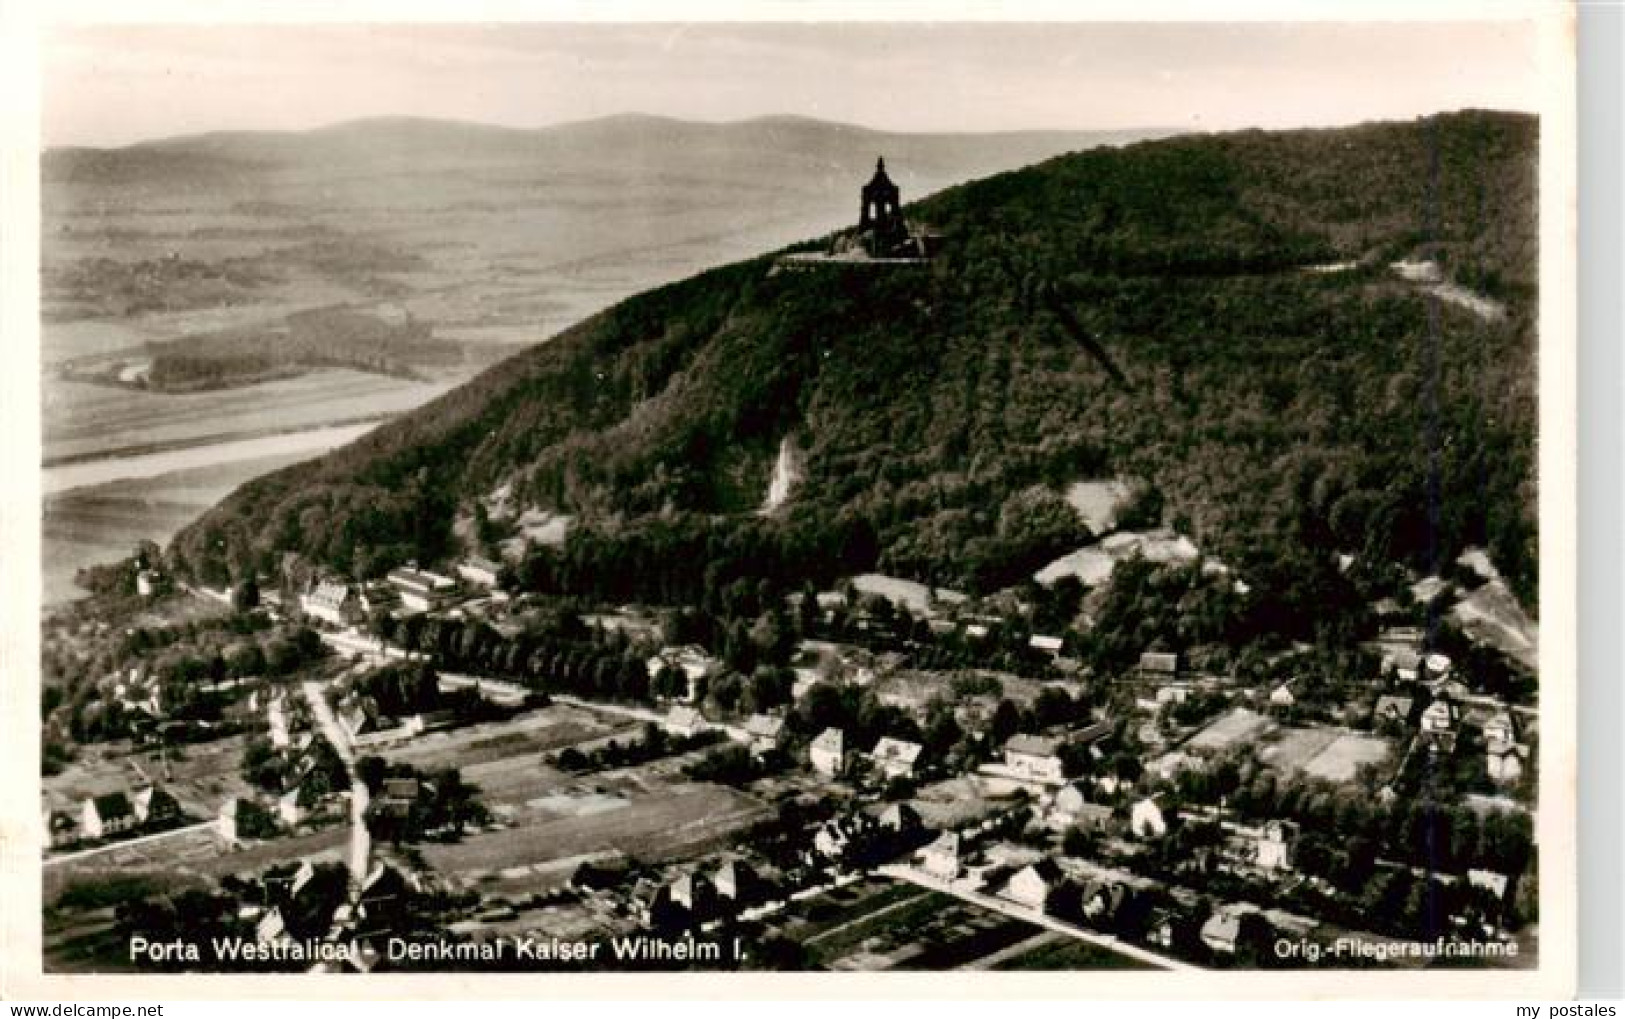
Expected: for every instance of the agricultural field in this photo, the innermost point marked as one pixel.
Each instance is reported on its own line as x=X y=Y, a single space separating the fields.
x=1333 y=754
x=573 y=819
x=84 y=421
x=957 y=801
x=488 y=752
x=1336 y=759
x=880 y=925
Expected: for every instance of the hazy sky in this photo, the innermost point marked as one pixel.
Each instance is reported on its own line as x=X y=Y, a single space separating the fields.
x=111 y=85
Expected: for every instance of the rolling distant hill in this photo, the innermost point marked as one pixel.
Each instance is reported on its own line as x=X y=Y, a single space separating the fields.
x=1217 y=315
x=782 y=149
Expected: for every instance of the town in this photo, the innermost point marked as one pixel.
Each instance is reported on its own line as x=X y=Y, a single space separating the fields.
x=879 y=775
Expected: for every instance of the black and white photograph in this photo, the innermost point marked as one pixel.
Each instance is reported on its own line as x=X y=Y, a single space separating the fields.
x=866 y=496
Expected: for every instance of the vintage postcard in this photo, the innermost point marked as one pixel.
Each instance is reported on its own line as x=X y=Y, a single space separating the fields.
x=1048 y=502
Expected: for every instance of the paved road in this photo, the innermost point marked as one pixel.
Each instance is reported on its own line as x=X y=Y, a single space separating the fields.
x=1010 y=909
x=360 y=840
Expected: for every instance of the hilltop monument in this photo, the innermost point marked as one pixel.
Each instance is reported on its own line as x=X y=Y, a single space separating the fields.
x=883 y=237
x=880 y=221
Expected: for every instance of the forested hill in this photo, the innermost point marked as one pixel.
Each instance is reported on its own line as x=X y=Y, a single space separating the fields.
x=1148 y=311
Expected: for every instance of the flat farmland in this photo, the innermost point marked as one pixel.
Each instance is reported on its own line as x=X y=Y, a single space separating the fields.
x=487 y=752
x=679 y=820
x=83 y=420
x=880 y=925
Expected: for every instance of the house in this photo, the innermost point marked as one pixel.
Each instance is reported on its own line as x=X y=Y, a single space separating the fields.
x=1222 y=929
x=900 y=818
x=154 y=806
x=1102 y=900
x=1031 y=886
x=1035 y=758
x=689 y=659
x=479 y=570
x=1071 y=799
x=398 y=798
x=1159 y=665
x=1164 y=928
x=1500 y=729
x=331 y=601
x=1440 y=716
x=940 y=859
x=1091 y=734
x=685 y=721
x=276 y=718
x=241 y=819
x=1492 y=882
x=764 y=732
x=1437 y=666
x=1392 y=709
x=827 y=752
x=737 y=881
x=1045 y=645
x=1146 y=818
x=1273 y=845
x=1503 y=760
x=1093 y=817
x=61 y=828
x=148 y=582
x=419 y=590
x=1438 y=731
x=107 y=814
x=895 y=758
x=842 y=838
x=1282 y=696
x=271 y=929
x=384 y=894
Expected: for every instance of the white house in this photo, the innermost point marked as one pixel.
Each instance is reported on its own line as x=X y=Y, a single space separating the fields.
x=1146 y=818
x=1035 y=758
x=107 y=814
x=940 y=859
x=1439 y=717
x=1282 y=696
x=420 y=590
x=1500 y=729
x=331 y=601
x=1032 y=884
x=685 y=721
x=1504 y=761
x=1045 y=645
x=764 y=732
x=1273 y=847
x=895 y=758
x=479 y=570
x=827 y=751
